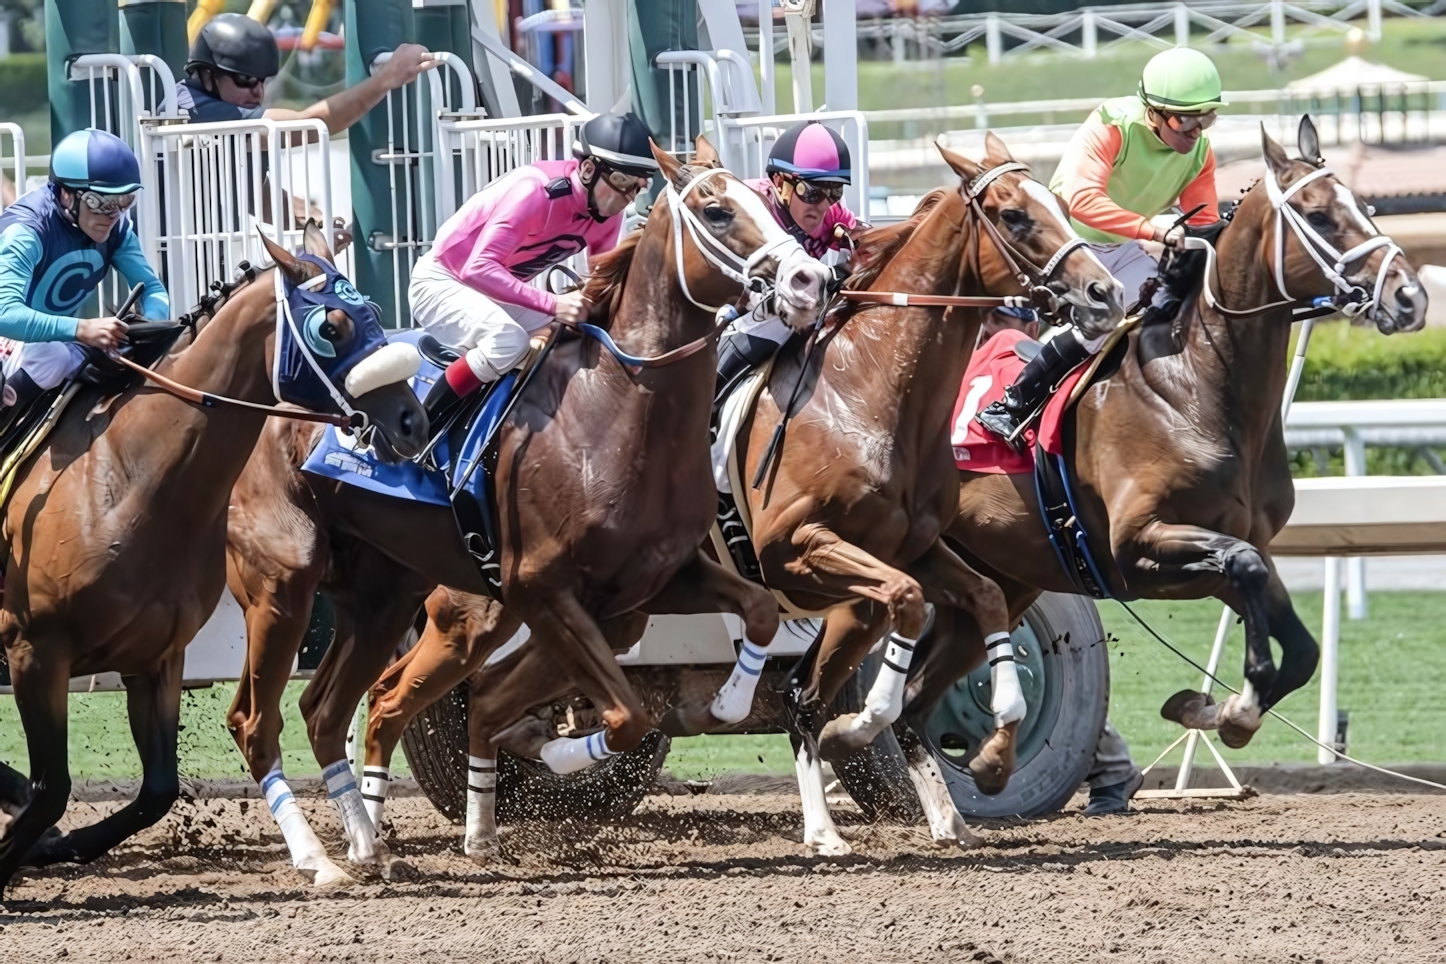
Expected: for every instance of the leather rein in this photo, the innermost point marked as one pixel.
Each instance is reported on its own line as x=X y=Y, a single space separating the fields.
x=1032 y=279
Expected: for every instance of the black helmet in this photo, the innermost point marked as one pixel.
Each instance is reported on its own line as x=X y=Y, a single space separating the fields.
x=236 y=44
x=618 y=140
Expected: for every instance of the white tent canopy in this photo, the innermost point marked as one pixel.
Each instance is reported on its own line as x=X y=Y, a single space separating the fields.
x=1351 y=73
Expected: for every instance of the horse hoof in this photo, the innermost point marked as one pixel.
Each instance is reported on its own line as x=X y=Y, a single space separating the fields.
x=328 y=876
x=1234 y=735
x=832 y=846
x=483 y=853
x=838 y=741
x=1186 y=708
x=990 y=778
x=961 y=838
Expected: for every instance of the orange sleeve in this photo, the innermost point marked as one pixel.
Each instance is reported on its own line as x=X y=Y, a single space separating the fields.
x=1202 y=191
x=1086 y=167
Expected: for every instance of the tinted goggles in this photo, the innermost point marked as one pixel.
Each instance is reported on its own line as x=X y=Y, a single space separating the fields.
x=623 y=182
x=811 y=192
x=1185 y=123
x=106 y=205
x=245 y=81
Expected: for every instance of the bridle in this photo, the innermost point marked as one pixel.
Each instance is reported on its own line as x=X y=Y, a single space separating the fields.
x=1350 y=299
x=1034 y=280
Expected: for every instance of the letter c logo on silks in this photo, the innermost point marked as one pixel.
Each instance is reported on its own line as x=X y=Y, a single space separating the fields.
x=68 y=281
x=347 y=292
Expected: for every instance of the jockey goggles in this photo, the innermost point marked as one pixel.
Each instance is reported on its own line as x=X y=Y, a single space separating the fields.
x=811 y=193
x=107 y=205
x=623 y=182
x=244 y=81
x=1185 y=123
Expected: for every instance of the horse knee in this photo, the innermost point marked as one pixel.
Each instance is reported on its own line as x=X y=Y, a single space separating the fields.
x=156 y=798
x=1245 y=567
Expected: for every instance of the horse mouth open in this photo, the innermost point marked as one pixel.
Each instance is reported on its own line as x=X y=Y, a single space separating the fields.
x=800 y=291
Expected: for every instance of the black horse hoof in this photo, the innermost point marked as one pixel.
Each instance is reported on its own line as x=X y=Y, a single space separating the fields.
x=1185 y=704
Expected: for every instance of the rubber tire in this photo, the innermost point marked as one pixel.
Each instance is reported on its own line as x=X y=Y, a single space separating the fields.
x=435 y=743
x=877 y=778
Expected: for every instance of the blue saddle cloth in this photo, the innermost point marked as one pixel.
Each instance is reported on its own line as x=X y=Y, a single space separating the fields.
x=336 y=456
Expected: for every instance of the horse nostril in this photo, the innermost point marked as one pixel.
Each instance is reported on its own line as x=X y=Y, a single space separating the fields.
x=1098 y=293
x=1406 y=296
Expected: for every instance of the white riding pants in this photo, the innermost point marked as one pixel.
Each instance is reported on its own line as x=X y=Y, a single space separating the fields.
x=495 y=335
x=48 y=363
x=1132 y=266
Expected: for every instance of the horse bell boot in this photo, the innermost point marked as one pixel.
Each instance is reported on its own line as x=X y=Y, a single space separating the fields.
x=1023 y=400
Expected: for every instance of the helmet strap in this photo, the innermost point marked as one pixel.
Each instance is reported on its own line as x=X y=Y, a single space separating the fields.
x=589 y=184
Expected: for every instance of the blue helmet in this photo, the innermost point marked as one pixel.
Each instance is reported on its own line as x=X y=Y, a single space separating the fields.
x=95 y=160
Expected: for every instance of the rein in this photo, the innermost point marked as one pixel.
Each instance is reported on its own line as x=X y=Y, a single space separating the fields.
x=1032 y=279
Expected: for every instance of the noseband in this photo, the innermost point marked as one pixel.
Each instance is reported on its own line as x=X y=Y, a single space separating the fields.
x=1034 y=280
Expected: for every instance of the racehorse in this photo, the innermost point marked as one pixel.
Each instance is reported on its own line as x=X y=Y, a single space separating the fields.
x=117 y=525
x=1181 y=477
x=848 y=518
x=599 y=475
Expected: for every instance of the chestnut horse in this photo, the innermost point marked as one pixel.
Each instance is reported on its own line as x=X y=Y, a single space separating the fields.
x=1181 y=473
x=117 y=528
x=599 y=476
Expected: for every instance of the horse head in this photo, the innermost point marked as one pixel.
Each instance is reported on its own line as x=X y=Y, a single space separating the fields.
x=737 y=242
x=331 y=354
x=1323 y=243
x=1036 y=245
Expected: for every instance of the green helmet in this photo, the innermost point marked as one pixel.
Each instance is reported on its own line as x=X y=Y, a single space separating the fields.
x=1181 y=79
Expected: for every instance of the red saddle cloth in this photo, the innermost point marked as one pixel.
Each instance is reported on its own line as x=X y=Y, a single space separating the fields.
x=991 y=370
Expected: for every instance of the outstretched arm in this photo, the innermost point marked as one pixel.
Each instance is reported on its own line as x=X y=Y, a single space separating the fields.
x=342 y=110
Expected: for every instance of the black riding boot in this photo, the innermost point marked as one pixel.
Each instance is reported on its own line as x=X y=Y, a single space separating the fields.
x=26 y=391
x=1031 y=389
x=444 y=396
x=739 y=354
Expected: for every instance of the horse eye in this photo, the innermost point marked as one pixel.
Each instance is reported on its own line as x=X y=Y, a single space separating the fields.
x=1320 y=220
x=1014 y=217
x=717 y=214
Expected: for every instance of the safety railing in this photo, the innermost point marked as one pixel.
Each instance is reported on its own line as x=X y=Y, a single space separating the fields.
x=488 y=149
x=219 y=186
x=422 y=178
x=746 y=141
x=12 y=159
x=724 y=76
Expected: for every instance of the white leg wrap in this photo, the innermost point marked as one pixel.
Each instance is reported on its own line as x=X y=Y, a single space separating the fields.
x=735 y=699
x=307 y=853
x=886 y=697
x=375 y=781
x=481 y=838
x=946 y=826
x=1008 y=703
x=571 y=754
x=361 y=835
x=819 y=831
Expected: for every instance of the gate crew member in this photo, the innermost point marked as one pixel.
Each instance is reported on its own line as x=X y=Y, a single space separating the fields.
x=471 y=290
x=808 y=169
x=56 y=245
x=1135 y=157
x=234 y=56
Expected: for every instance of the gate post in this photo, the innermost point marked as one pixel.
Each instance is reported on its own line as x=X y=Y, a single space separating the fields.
x=72 y=28
x=155 y=27
x=372 y=27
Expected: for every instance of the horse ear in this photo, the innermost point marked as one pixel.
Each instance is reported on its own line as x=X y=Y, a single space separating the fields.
x=1275 y=157
x=296 y=271
x=995 y=150
x=704 y=154
x=671 y=167
x=962 y=166
x=1309 y=142
x=313 y=241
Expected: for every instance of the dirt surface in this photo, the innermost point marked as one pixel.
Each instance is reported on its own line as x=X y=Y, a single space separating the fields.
x=716 y=877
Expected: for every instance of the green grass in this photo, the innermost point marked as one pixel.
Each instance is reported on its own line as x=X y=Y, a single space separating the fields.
x=1392 y=669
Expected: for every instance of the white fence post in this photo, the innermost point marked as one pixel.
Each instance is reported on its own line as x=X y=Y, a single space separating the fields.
x=1089 y=36
x=766 y=67
x=993 y=42
x=1277 y=22
x=1373 y=20
x=1330 y=638
x=1355 y=457
x=1182 y=25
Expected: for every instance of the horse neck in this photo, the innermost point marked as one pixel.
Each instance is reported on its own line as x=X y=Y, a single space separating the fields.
x=228 y=356
x=653 y=316
x=1240 y=362
x=917 y=354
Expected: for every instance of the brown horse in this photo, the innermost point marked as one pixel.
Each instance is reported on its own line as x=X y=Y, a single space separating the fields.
x=599 y=475
x=1181 y=472
x=117 y=534
x=850 y=518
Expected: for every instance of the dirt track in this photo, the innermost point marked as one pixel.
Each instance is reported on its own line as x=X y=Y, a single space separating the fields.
x=704 y=878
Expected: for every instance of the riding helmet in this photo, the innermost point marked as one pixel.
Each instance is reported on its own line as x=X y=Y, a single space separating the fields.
x=621 y=141
x=235 y=43
x=95 y=160
x=1182 y=80
x=811 y=152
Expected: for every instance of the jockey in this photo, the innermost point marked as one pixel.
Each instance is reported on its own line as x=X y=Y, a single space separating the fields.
x=56 y=244
x=807 y=170
x=1134 y=158
x=471 y=289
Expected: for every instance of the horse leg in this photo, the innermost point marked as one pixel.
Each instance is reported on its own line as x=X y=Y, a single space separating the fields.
x=1298 y=648
x=379 y=620
x=462 y=630
x=153 y=702
x=41 y=690
x=703 y=586
x=947 y=580
x=844 y=569
x=1188 y=551
x=946 y=824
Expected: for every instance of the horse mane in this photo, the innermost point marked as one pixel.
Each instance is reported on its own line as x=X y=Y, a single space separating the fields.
x=604 y=287
x=878 y=246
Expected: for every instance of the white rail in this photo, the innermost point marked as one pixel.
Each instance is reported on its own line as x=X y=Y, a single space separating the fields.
x=14 y=158
x=216 y=186
x=746 y=142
